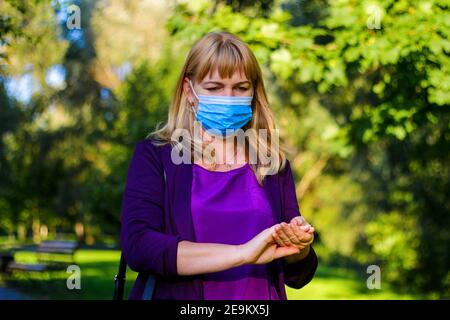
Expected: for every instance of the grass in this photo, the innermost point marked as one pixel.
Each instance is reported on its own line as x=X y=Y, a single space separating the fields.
x=343 y=284
x=98 y=268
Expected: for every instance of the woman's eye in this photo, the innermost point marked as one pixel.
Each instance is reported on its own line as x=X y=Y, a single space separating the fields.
x=212 y=89
x=243 y=89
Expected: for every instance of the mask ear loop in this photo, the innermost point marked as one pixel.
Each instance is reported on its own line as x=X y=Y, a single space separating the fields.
x=193 y=91
x=195 y=94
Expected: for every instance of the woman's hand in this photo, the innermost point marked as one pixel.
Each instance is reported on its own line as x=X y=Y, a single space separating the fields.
x=298 y=233
x=263 y=249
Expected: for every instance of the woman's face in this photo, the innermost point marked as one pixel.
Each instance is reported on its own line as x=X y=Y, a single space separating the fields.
x=214 y=85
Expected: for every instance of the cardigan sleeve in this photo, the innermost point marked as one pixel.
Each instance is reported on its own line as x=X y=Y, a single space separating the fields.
x=144 y=244
x=300 y=273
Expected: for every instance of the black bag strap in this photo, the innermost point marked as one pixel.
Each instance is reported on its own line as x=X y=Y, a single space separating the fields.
x=119 y=279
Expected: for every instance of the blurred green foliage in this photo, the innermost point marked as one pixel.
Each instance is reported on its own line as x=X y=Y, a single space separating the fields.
x=360 y=91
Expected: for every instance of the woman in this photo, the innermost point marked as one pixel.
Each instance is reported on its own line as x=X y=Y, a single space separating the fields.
x=196 y=225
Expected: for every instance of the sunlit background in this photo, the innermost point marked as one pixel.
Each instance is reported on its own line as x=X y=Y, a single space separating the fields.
x=360 y=90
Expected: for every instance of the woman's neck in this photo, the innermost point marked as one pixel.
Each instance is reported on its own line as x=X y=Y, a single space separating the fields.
x=225 y=150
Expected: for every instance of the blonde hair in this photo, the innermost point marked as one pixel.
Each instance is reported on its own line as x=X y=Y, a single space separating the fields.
x=226 y=53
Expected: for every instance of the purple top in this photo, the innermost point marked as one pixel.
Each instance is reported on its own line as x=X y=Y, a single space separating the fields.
x=231 y=208
x=156 y=216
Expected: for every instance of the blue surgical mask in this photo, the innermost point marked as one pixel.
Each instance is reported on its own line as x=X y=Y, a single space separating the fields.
x=223 y=115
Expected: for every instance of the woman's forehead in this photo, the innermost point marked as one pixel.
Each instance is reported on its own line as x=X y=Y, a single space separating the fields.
x=214 y=75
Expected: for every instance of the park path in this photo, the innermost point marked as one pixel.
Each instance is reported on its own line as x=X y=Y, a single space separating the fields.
x=11 y=294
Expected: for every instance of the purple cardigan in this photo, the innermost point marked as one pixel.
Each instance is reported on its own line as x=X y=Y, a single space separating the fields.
x=156 y=215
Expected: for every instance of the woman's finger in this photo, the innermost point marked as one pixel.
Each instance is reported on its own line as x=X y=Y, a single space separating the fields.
x=299 y=220
x=275 y=235
x=301 y=234
x=277 y=239
x=290 y=233
x=304 y=224
x=282 y=235
x=305 y=227
x=308 y=239
x=284 y=239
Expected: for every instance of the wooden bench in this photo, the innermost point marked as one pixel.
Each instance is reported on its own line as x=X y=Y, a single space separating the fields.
x=51 y=255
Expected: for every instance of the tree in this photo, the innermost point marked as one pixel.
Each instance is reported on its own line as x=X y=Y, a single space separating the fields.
x=379 y=71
